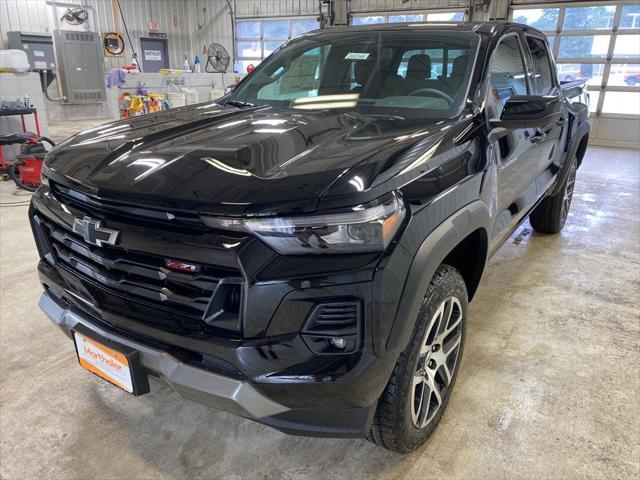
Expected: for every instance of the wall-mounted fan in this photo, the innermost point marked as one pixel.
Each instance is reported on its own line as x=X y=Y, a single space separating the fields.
x=217 y=59
x=75 y=16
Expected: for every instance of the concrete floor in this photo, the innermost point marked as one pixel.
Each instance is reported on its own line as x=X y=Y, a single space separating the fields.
x=549 y=385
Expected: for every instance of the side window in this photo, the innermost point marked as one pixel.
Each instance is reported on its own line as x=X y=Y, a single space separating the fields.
x=542 y=82
x=507 y=73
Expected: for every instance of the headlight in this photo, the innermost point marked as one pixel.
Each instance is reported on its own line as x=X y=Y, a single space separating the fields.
x=365 y=229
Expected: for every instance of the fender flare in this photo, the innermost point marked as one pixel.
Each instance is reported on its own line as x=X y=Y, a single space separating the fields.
x=583 y=129
x=433 y=250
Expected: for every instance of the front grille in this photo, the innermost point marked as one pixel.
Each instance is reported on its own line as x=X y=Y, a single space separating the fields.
x=140 y=285
x=171 y=220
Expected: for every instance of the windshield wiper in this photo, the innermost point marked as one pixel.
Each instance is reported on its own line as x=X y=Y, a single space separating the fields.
x=240 y=103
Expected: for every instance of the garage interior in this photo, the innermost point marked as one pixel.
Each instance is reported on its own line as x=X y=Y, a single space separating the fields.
x=550 y=381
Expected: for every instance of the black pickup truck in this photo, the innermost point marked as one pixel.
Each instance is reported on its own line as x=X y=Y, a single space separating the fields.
x=302 y=251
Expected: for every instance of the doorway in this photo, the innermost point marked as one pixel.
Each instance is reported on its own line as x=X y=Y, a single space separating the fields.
x=155 y=54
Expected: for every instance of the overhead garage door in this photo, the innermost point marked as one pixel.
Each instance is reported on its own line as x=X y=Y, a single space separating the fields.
x=364 y=12
x=599 y=42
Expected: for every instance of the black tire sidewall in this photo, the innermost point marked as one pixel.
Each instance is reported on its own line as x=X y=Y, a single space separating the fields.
x=450 y=284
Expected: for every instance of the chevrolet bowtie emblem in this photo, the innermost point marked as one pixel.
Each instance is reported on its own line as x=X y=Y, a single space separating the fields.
x=93 y=233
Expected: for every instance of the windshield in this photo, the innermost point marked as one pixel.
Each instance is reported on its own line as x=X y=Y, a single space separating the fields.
x=405 y=73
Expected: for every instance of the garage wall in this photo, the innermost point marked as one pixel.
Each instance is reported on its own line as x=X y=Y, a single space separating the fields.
x=271 y=8
x=183 y=32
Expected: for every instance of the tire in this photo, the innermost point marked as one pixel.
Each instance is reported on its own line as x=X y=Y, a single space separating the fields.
x=402 y=422
x=551 y=215
x=15 y=175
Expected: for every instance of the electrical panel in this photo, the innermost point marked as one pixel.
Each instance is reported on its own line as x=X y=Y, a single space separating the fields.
x=80 y=66
x=37 y=46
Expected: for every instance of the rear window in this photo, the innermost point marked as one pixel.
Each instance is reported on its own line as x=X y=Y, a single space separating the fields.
x=542 y=80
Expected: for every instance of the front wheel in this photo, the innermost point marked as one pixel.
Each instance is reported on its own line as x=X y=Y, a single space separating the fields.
x=420 y=386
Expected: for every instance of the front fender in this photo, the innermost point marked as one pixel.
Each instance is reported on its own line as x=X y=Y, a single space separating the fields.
x=433 y=250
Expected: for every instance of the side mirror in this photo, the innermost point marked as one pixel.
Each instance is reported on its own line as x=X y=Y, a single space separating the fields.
x=529 y=111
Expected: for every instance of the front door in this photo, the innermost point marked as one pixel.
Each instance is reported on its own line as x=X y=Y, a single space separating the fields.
x=550 y=136
x=155 y=54
x=517 y=157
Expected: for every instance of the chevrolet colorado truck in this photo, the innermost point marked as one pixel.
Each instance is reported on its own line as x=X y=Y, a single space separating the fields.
x=302 y=252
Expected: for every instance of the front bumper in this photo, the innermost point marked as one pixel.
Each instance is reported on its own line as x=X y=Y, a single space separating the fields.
x=237 y=396
x=202 y=386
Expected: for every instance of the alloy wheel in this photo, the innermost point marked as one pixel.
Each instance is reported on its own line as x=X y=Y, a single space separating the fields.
x=568 y=192
x=436 y=362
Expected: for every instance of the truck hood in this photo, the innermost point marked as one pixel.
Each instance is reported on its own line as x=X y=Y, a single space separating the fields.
x=222 y=159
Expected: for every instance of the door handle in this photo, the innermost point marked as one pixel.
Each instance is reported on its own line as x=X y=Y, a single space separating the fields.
x=538 y=138
x=561 y=121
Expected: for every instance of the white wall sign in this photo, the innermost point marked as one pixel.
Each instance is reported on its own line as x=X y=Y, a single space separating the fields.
x=153 y=55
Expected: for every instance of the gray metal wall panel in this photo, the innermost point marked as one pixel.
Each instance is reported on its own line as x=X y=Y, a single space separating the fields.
x=267 y=8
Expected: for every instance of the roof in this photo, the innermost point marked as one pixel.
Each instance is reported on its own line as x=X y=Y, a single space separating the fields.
x=487 y=28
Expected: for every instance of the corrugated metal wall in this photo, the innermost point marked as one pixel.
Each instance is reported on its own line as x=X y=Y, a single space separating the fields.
x=268 y=8
x=184 y=36
x=27 y=15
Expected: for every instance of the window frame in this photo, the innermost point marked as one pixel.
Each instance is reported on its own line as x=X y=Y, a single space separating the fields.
x=261 y=39
x=425 y=12
x=609 y=60
x=555 y=82
x=489 y=97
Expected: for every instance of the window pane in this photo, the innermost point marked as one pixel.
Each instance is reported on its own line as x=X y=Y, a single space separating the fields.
x=630 y=16
x=406 y=18
x=590 y=72
x=542 y=18
x=248 y=49
x=357 y=71
x=507 y=73
x=275 y=29
x=445 y=17
x=589 y=18
x=240 y=66
x=551 y=40
x=627 y=46
x=593 y=97
x=583 y=46
x=248 y=30
x=269 y=47
x=298 y=27
x=622 y=102
x=368 y=20
x=299 y=80
x=542 y=68
x=621 y=75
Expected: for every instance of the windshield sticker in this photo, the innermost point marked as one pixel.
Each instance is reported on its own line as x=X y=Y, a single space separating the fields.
x=356 y=56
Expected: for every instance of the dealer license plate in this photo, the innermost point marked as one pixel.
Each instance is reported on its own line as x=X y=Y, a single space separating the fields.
x=105 y=362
